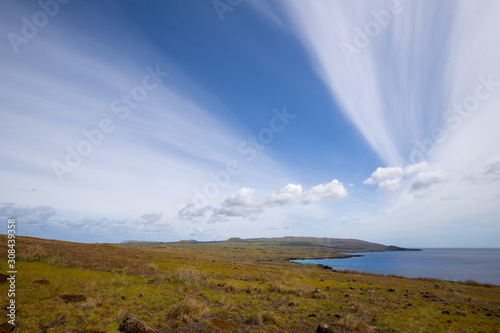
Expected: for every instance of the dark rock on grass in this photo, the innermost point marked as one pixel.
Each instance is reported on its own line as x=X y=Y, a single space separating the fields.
x=324 y=328
x=72 y=298
x=3 y=279
x=446 y=312
x=7 y=328
x=130 y=325
x=42 y=281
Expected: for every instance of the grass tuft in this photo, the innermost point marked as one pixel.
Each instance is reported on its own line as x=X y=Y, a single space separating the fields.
x=190 y=276
x=188 y=309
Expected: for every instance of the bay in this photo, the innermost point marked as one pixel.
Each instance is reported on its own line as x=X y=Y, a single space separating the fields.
x=481 y=265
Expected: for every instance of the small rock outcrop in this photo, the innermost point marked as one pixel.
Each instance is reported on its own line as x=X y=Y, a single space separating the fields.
x=324 y=328
x=130 y=325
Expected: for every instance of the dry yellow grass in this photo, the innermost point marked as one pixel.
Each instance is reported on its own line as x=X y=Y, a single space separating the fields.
x=244 y=288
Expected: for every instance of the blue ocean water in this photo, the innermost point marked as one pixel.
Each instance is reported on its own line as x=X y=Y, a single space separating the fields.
x=481 y=265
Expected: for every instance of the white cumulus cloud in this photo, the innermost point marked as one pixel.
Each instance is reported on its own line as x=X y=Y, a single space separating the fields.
x=286 y=195
x=243 y=203
x=333 y=190
x=389 y=178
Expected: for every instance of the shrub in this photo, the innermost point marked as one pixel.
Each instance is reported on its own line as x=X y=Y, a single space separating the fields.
x=226 y=302
x=255 y=318
x=355 y=324
x=189 y=276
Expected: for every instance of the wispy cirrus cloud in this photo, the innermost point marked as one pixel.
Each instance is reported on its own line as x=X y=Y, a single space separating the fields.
x=410 y=89
x=394 y=76
x=57 y=89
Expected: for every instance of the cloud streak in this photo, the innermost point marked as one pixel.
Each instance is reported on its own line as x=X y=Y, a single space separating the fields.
x=394 y=109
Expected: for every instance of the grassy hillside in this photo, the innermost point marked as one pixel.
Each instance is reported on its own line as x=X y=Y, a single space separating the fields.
x=232 y=286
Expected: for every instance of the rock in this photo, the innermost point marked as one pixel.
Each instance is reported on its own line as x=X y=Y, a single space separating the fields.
x=130 y=325
x=446 y=312
x=7 y=328
x=72 y=298
x=391 y=290
x=3 y=278
x=324 y=328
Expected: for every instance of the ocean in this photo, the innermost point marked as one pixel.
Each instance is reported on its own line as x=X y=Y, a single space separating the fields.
x=481 y=265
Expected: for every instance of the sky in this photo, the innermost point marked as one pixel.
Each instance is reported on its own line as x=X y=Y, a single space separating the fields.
x=183 y=119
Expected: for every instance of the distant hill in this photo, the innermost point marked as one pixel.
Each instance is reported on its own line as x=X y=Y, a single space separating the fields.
x=331 y=243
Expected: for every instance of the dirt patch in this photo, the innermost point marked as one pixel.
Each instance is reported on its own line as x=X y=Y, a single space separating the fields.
x=73 y=298
x=222 y=325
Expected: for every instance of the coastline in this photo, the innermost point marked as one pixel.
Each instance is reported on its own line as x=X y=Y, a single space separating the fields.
x=410 y=267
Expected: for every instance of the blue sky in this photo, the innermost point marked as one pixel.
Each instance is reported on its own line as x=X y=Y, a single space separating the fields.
x=163 y=121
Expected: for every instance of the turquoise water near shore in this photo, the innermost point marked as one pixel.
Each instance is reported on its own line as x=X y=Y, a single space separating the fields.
x=481 y=265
